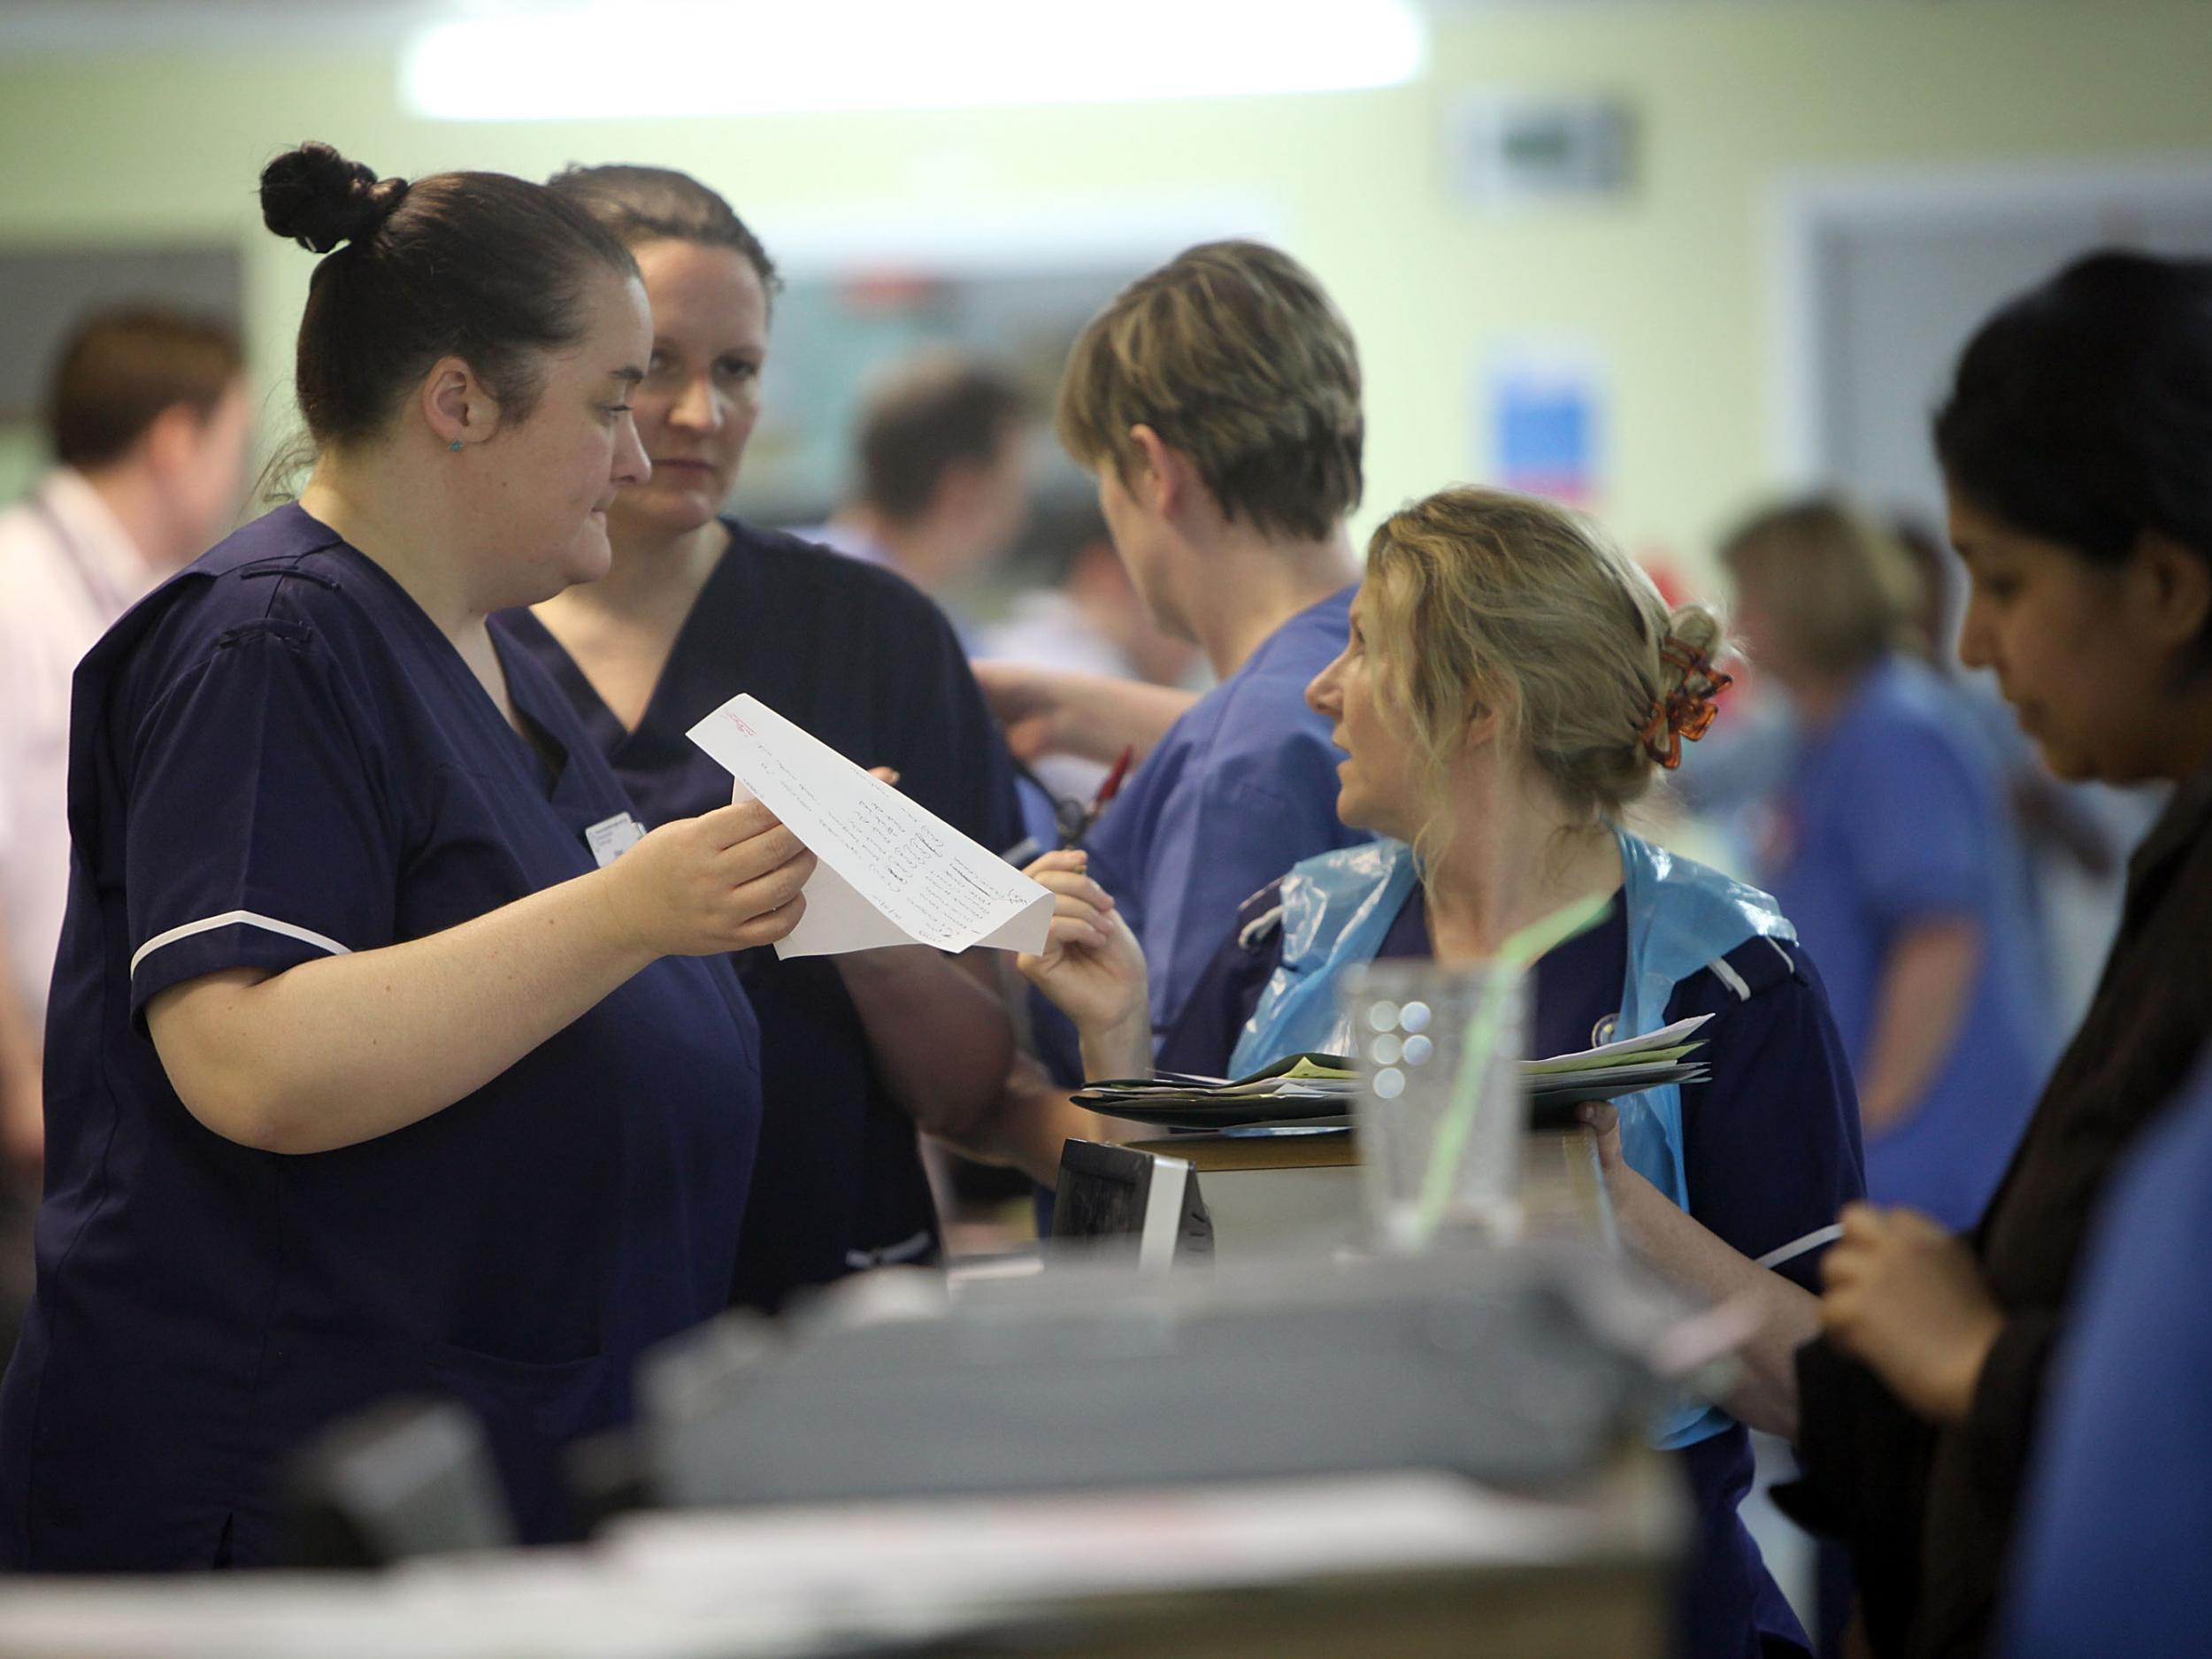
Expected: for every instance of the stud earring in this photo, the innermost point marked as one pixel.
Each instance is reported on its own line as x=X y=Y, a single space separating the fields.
x=455 y=446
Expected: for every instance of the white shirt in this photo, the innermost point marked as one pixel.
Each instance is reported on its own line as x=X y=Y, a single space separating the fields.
x=67 y=571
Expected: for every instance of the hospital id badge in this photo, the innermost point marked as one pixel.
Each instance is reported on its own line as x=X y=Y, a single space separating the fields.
x=611 y=837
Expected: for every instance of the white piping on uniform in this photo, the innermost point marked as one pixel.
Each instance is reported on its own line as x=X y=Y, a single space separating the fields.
x=246 y=918
x=1730 y=977
x=1788 y=966
x=1796 y=1248
x=890 y=1254
x=1257 y=928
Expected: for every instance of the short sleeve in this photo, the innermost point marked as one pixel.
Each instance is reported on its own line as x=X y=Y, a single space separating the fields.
x=1770 y=1142
x=256 y=829
x=1220 y=839
x=1919 y=842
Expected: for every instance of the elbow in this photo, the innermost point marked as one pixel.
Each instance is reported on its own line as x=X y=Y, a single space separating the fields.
x=247 y=1114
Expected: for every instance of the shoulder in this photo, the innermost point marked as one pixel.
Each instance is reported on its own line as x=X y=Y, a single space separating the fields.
x=1907 y=712
x=800 y=566
x=283 y=579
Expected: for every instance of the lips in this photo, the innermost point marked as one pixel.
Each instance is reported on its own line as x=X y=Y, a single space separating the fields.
x=681 y=464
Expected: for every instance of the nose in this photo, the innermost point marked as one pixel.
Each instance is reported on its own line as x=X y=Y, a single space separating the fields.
x=700 y=408
x=630 y=464
x=1321 y=691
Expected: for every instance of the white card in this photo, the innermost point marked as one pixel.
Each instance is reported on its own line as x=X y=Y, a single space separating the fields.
x=888 y=872
x=609 y=838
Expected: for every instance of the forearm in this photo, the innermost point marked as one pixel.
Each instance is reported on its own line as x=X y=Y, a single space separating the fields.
x=1031 y=1121
x=1098 y=716
x=22 y=1108
x=345 y=1048
x=1685 y=1252
x=1927 y=982
x=938 y=1030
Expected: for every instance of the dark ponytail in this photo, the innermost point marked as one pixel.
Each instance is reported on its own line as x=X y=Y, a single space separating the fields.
x=478 y=266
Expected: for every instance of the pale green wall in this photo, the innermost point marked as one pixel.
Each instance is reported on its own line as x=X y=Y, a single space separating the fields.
x=1670 y=284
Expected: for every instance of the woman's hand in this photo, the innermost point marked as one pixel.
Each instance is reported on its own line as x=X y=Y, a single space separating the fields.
x=1092 y=966
x=727 y=880
x=1906 y=1297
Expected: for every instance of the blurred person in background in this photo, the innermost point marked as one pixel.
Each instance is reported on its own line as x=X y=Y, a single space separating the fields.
x=147 y=418
x=944 y=475
x=2072 y=444
x=857 y=1049
x=1891 y=843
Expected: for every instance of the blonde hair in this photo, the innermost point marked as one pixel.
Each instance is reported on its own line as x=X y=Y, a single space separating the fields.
x=1235 y=356
x=1483 y=600
x=1841 y=589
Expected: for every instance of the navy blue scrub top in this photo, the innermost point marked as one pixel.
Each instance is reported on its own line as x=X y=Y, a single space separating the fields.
x=1770 y=1150
x=860 y=658
x=273 y=758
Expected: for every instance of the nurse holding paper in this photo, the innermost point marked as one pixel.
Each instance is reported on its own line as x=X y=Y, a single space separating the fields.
x=364 y=1077
x=697 y=608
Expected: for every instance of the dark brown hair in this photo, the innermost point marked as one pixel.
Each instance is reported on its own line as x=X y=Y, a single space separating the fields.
x=1235 y=356
x=120 y=369
x=478 y=266
x=642 y=204
x=939 y=412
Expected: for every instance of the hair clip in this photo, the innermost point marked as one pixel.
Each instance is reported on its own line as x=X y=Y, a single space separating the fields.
x=1686 y=711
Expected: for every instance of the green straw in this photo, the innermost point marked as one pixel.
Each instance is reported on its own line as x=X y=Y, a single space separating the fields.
x=1512 y=959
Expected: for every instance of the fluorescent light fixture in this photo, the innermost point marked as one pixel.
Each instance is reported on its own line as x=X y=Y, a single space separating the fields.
x=690 y=57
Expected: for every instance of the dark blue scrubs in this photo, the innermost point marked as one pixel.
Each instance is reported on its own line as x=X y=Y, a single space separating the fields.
x=858 y=657
x=274 y=758
x=1770 y=1150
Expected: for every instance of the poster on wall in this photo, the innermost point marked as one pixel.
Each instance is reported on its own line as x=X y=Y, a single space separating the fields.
x=1542 y=407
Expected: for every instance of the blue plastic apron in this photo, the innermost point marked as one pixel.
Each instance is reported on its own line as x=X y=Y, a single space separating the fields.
x=1682 y=917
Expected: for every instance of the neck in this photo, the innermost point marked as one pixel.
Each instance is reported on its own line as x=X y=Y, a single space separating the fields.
x=2189 y=725
x=653 y=575
x=1249 y=585
x=1514 y=857
x=140 y=508
x=916 y=548
x=400 y=521
x=1820 y=699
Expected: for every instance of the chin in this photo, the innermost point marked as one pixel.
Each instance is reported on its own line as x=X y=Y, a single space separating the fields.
x=666 y=510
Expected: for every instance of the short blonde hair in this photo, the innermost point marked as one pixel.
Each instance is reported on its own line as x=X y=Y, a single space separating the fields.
x=1843 y=589
x=1481 y=599
x=1235 y=356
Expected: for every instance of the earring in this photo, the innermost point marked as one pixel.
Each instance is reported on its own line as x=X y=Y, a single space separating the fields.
x=455 y=446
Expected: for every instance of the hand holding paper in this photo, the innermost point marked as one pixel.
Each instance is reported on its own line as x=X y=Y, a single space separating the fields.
x=888 y=872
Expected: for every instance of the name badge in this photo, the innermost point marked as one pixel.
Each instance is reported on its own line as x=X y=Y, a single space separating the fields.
x=611 y=837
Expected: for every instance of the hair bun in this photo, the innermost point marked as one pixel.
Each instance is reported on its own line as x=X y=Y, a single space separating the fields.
x=317 y=198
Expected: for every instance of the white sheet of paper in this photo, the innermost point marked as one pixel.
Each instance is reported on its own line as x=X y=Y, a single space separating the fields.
x=889 y=871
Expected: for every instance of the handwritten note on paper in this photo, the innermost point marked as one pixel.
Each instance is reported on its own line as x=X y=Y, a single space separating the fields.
x=889 y=871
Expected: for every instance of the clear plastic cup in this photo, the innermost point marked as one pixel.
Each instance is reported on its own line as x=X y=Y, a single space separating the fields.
x=1440 y=1125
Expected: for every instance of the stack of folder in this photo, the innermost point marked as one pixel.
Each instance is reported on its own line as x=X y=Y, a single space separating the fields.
x=1315 y=1091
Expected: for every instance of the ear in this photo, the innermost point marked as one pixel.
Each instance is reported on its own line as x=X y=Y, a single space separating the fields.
x=455 y=406
x=2171 y=588
x=1167 y=478
x=171 y=440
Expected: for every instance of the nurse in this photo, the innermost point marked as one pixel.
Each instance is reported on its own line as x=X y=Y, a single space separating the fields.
x=1510 y=684
x=365 y=1077
x=697 y=608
